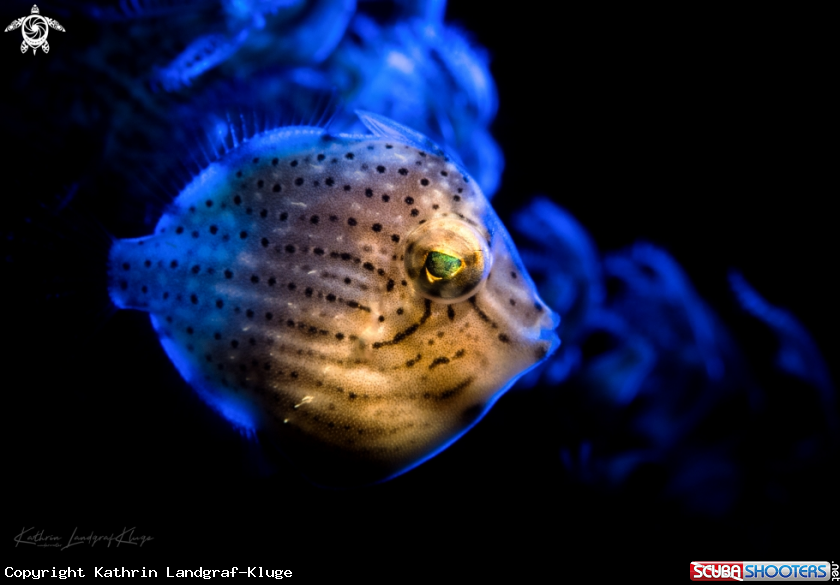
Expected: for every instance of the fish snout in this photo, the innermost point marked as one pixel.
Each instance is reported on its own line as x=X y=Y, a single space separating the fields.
x=547 y=323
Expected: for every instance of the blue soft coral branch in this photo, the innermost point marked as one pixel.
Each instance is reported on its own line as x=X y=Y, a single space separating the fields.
x=798 y=354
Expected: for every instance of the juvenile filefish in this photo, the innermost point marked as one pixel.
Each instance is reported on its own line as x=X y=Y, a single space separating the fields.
x=352 y=300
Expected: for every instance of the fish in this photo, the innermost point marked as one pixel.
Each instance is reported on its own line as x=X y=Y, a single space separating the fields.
x=351 y=300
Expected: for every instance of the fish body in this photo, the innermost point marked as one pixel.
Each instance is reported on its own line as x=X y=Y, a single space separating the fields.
x=352 y=299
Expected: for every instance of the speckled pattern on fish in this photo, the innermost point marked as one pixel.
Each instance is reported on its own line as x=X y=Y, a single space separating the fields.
x=277 y=283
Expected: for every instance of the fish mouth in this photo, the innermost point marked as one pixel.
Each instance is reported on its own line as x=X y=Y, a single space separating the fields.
x=548 y=323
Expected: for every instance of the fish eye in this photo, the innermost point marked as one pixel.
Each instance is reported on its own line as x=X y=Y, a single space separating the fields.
x=440 y=265
x=447 y=260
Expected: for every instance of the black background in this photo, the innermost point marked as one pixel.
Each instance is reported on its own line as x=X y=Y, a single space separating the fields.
x=705 y=133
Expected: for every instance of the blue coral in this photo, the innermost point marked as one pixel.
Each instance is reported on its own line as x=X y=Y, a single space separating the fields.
x=647 y=370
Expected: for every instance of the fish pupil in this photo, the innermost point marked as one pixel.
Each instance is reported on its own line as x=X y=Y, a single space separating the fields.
x=440 y=265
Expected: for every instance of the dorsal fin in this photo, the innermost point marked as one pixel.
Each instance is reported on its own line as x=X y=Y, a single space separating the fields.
x=386 y=128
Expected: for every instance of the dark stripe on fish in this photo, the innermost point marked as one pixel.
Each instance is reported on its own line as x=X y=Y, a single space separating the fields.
x=450 y=392
x=482 y=314
x=408 y=331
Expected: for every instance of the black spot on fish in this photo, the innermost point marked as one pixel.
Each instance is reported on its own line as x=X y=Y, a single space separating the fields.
x=469 y=415
x=438 y=361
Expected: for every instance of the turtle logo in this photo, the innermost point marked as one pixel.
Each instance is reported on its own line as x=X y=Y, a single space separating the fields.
x=35 y=29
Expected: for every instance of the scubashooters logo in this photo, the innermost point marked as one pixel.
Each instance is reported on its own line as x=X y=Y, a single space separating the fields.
x=35 y=29
x=763 y=571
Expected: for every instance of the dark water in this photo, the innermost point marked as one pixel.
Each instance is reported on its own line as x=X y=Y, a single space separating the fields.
x=701 y=133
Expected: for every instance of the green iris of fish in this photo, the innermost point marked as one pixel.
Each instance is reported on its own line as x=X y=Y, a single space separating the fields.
x=442 y=265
